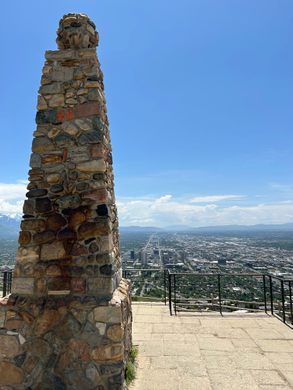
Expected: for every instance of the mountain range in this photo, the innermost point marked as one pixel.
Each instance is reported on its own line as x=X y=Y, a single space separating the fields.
x=211 y=229
x=9 y=227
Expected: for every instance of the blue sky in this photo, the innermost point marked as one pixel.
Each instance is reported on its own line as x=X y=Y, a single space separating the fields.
x=199 y=95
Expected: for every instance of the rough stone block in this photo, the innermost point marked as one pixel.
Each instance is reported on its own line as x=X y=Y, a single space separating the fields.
x=69 y=201
x=56 y=222
x=108 y=314
x=29 y=206
x=46 y=321
x=42 y=104
x=23 y=286
x=108 y=352
x=24 y=237
x=57 y=55
x=45 y=116
x=35 y=160
x=70 y=128
x=28 y=254
x=10 y=374
x=43 y=205
x=93 y=229
x=51 y=159
x=9 y=346
x=42 y=144
x=80 y=111
x=53 y=178
x=106 y=243
x=98 y=151
x=92 y=166
x=33 y=224
x=53 y=251
x=100 y=195
x=84 y=124
x=56 y=100
x=2 y=317
x=115 y=332
x=54 y=88
x=59 y=283
x=44 y=237
x=100 y=285
x=63 y=73
x=78 y=285
x=90 y=137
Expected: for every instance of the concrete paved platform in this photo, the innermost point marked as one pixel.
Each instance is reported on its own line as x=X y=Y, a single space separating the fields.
x=209 y=351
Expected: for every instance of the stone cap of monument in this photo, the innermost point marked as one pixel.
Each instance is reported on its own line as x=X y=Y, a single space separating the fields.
x=76 y=31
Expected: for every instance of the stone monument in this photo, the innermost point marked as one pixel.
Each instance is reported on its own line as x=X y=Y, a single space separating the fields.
x=67 y=323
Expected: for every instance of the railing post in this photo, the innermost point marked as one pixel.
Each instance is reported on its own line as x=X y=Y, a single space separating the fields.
x=4 y=284
x=174 y=280
x=283 y=301
x=291 y=304
x=265 y=291
x=10 y=281
x=170 y=293
x=219 y=293
x=271 y=295
x=165 y=287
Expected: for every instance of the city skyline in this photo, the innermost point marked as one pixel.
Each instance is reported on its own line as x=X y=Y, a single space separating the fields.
x=199 y=99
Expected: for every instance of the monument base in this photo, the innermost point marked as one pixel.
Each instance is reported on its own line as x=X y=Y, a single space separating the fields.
x=65 y=342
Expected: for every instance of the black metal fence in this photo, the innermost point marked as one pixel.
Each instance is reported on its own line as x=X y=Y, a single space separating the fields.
x=279 y=299
x=228 y=292
x=214 y=292
x=6 y=282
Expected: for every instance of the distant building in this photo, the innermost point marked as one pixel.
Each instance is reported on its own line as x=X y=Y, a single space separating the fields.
x=182 y=256
x=132 y=254
x=222 y=261
x=143 y=257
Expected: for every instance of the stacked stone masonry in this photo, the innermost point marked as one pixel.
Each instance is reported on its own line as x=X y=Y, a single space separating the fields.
x=67 y=323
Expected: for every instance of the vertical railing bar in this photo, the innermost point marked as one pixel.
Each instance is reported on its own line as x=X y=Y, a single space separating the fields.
x=219 y=293
x=265 y=291
x=9 y=281
x=283 y=301
x=4 y=283
x=175 y=308
x=291 y=303
x=170 y=293
x=165 y=282
x=271 y=295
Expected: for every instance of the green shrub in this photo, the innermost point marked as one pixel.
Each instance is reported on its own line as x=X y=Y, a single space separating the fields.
x=130 y=369
x=133 y=353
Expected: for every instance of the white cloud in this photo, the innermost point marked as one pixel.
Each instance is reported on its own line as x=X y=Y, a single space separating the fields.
x=13 y=191
x=11 y=209
x=169 y=210
x=11 y=198
x=215 y=198
x=166 y=210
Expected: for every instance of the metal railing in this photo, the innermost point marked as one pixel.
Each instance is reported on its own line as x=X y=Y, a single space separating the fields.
x=280 y=295
x=265 y=293
x=6 y=282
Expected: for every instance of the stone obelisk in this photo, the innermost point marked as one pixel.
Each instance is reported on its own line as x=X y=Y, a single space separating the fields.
x=67 y=323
